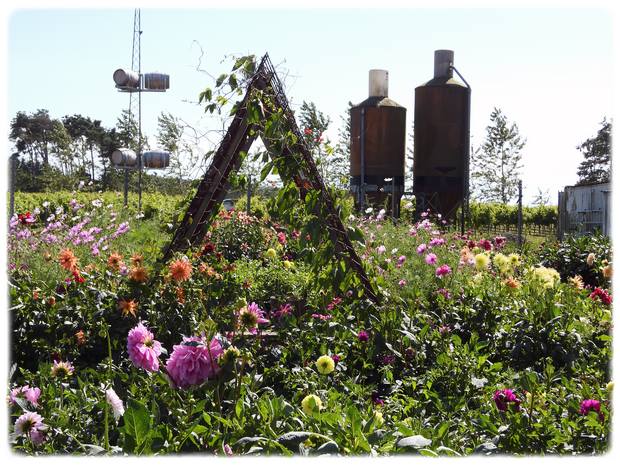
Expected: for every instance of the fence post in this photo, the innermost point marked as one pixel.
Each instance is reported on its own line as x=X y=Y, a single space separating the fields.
x=520 y=216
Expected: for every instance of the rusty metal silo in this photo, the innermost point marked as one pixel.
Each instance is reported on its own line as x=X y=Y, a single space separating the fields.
x=378 y=131
x=441 y=140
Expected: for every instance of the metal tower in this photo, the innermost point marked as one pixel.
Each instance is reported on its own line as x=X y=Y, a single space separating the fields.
x=135 y=105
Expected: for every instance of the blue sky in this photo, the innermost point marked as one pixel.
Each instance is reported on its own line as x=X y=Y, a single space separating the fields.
x=549 y=70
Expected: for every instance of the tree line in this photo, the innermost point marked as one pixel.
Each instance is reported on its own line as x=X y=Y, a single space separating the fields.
x=53 y=154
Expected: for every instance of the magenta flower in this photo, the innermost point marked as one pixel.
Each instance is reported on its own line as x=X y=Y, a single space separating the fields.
x=143 y=349
x=500 y=241
x=336 y=358
x=31 y=424
x=503 y=397
x=283 y=311
x=591 y=404
x=363 y=336
x=193 y=361
x=421 y=249
x=400 y=261
x=601 y=294
x=402 y=283
x=442 y=271
x=430 y=259
x=321 y=317
x=381 y=249
x=281 y=238
x=485 y=244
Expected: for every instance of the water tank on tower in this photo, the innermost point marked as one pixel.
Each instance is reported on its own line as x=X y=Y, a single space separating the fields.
x=378 y=131
x=441 y=140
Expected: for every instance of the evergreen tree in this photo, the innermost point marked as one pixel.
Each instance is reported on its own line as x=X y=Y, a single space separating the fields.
x=496 y=164
x=596 y=166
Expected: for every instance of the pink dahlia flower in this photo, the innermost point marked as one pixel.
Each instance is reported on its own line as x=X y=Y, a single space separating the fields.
x=31 y=424
x=503 y=397
x=430 y=259
x=143 y=349
x=193 y=362
x=591 y=404
x=30 y=394
x=442 y=271
x=421 y=249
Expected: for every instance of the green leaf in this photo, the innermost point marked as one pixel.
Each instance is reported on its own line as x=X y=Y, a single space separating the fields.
x=137 y=422
x=220 y=80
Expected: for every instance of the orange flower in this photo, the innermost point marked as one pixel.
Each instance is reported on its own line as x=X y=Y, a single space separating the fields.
x=115 y=260
x=51 y=301
x=68 y=260
x=128 y=307
x=80 y=338
x=138 y=274
x=35 y=294
x=512 y=283
x=137 y=259
x=607 y=272
x=180 y=270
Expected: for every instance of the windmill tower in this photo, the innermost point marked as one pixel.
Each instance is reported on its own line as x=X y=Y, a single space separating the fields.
x=133 y=82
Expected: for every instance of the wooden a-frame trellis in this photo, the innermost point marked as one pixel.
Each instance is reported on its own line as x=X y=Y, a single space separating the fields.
x=227 y=160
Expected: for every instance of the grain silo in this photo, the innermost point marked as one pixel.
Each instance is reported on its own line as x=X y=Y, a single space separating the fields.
x=441 y=140
x=378 y=127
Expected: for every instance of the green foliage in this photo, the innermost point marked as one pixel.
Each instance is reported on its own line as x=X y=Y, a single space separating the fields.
x=569 y=257
x=596 y=166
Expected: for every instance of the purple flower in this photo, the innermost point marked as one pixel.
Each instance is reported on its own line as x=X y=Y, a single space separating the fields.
x=442 y=271
x=376 y=398
x=387 y=359
x=193 y=361
x=591 y=404
x=421 y=249
x=227 y=450
x=444 y=292
x=336 y=358
x=503 y=397
x=430 y=259
x=400 y=261
x=436 y=241
x=363 y=336
x=402 y=283
x=381 y=249
x=143 y=349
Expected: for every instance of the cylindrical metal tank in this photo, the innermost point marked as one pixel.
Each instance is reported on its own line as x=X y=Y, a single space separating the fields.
x=156 y=159
x=126 y=78
x=156 y=81
x=441 y=140
x=378 y=131
x=124 y=157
